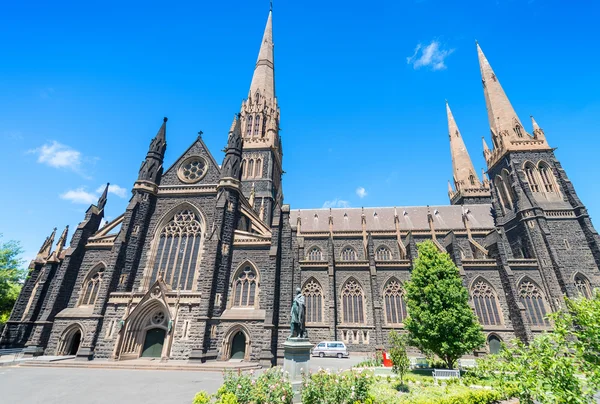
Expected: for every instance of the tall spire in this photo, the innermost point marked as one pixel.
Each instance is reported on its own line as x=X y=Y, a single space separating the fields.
x=508 y=133
x=463 y=170
x=469 y=189
x=264 y=72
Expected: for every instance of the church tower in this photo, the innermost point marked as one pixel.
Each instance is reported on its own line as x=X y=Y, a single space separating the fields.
x=262 y=154
x=468 y=189
x=538 y=214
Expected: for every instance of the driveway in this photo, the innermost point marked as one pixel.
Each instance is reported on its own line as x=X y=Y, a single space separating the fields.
x=49 y=385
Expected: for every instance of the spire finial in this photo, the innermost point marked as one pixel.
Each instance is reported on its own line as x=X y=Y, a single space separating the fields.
x=271 y=7
x=103 y=197
x=165 y=119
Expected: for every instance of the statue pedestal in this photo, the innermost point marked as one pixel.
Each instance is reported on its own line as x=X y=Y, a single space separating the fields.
x=296 y=355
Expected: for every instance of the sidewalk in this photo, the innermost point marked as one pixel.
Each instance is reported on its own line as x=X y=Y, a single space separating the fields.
x=140 y=364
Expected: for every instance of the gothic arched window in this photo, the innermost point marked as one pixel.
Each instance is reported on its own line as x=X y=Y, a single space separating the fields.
x=244 y=287
x=383 y=254
x=258 y=172
x=533 y=300
x=250 y=168
x=583 y=286
x=315 y=254
x=249 y=126
x=244 y=173
x=519 y=130
x=472 y=179
x=395 y=306
x=313 y=294
x=178 y=250
x=91 y=285
x=532 y=177
x=348 y=254
x=547 y=177
x=257 y=131
x=486 y=303
x=353 y=302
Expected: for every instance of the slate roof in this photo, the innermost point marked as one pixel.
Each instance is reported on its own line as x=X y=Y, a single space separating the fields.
x=411 y=218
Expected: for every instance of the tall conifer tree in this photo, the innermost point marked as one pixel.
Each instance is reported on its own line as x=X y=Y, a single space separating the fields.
x=440 y=319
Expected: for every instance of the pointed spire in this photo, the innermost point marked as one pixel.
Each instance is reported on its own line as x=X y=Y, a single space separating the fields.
x=231 y=167
x=538 y=132
x=261 y=213
x=103 y=197
x=151 y=170
x=501 y=114
x=463 y=170
x=47 y=246
x=62 y=241
x=264 y=72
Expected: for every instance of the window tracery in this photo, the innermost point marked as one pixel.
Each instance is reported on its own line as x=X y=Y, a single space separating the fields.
x=257 y=131
x=313 y=294
x=91 y=286
x=583 y=286
x=486 y=303
x=244 y=287
x=249 y=126
x=395 y=306
x=348 y=254
x=533 y=300
x=315 y=254
x=353 y=302
x=383 y=254
x=250 y=168
x=258 y=171
x=547 y=177
x=178 y=250
x=532 y=177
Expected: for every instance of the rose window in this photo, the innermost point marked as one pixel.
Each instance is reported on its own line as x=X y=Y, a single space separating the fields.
x=193 y=169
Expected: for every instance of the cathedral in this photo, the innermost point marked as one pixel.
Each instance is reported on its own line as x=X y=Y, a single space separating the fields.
x=203 y=263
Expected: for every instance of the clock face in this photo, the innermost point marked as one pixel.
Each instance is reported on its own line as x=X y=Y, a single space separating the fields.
x=193 y=169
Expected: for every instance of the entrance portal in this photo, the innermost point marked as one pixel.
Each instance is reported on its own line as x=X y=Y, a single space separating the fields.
x=75 y=341
x=153 y=344
x=238 y=346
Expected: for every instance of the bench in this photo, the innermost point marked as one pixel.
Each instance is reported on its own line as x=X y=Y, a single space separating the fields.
x=11 y=351
x=466 y=363
x=444 y=374
x=418 y=363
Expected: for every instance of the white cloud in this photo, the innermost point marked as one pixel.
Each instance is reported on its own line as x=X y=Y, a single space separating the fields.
x=361 y=192
x=113 y=189
x=431 y=55
x=58 y=155
x=80 y=195
x=336 y=203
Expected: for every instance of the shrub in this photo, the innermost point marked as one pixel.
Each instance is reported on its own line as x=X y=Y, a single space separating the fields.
x=373 y=360
x=337 y=388
x=202 y=397
x=272 y=386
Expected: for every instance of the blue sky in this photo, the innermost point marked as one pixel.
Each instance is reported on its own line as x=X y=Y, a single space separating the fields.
x=84 y=87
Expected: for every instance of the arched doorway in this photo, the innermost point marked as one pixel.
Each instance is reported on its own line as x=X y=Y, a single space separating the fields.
x=153 y=343
x=75 y=341
x=495 y=344
x=238 y=346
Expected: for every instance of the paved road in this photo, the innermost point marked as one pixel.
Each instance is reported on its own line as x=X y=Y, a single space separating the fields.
x=89 y=386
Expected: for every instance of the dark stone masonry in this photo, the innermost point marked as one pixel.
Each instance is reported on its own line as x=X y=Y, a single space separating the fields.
x=203 y=263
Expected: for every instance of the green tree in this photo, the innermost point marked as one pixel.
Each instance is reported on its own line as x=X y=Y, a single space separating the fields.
x=11 y=276
x=398 y=355
x=440 y=320
x=562 y=366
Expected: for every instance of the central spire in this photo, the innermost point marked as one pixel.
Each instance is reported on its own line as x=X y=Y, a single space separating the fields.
x=263 y=79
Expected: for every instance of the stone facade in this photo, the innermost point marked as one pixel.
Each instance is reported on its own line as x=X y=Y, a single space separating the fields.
x=203 y=263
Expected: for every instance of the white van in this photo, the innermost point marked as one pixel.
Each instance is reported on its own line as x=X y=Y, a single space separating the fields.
x=331 y=348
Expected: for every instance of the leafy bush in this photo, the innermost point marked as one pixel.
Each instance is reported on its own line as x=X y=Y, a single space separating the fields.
x=373 y=360
x=202 y=397
x=337 y=388
x=272 y=386
x=400 y=361
x=562 y=366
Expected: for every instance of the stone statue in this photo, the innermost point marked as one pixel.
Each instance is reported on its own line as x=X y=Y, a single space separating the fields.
x=297 y=326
